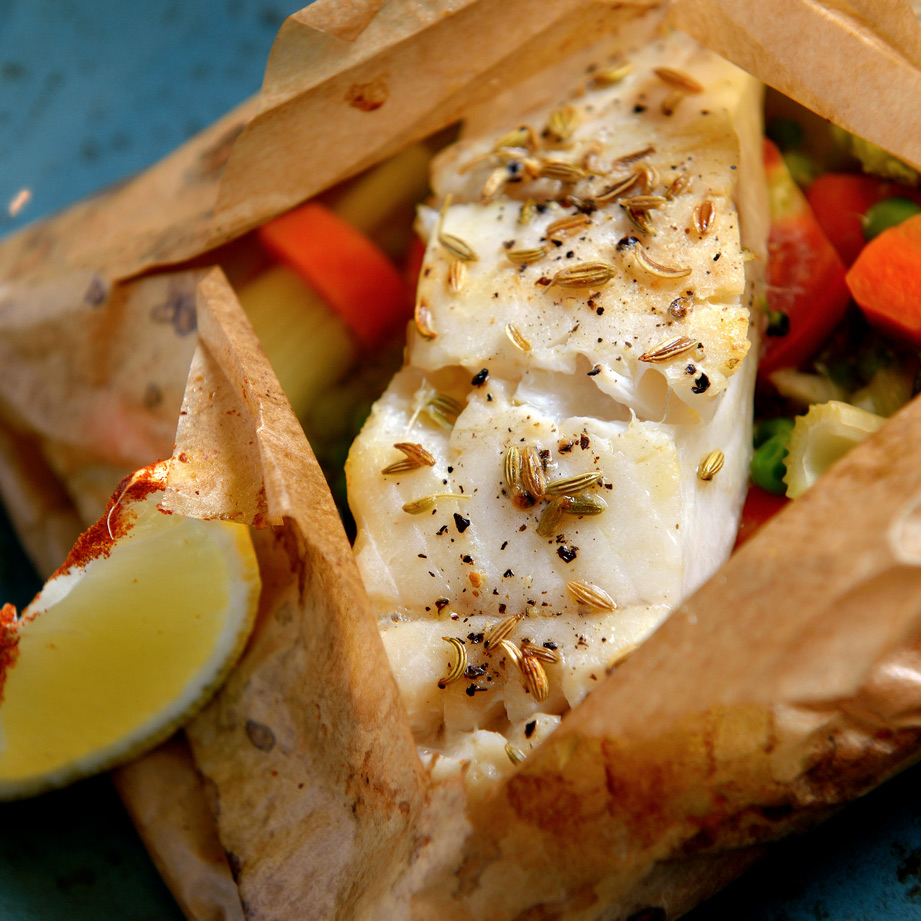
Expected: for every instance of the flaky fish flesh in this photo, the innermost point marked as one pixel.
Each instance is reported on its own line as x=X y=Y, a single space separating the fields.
x=564 y=455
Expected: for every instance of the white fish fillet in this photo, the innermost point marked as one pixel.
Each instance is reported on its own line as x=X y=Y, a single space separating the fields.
x=578 y=387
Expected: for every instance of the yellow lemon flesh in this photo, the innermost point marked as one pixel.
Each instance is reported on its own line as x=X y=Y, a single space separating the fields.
x=124 y=644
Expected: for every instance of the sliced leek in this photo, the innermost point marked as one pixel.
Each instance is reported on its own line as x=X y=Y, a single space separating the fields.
x=820 y=437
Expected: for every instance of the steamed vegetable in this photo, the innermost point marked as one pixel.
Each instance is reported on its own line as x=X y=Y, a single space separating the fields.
x=342 y=265
x=886 y=281
x=822 y=436
x=875 y=160
x=888 y=213
x=760 y=506
x=840 y=202
x=767 y=465
x=805 y=276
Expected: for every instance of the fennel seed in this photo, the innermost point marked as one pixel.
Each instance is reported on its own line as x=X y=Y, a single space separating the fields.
x=583 y=505
x=443 y=410
x=584 y=275
x=422 y=316
x=501 y=630
x=617 y=190
x=528 y=210
x=671 y=348
x=458 y=663
x=704 y=214
x=561 y=124
x=611 y=76
x=561 y=170
x=541 y=653
x=551 y=517
x=512 y=652
x=418 y=506
x=457 y=275
x=711 y=465
x=591 y=595
x=644 y=261
x=457 y=247
x=571 y=485
x=535 y=678
x=678 y=79
x=568 y=225
x=525 y=256
x=516 y=338
x=532 y=473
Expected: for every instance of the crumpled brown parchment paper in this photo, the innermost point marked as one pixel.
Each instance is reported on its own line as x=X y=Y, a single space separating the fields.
x=788 y=685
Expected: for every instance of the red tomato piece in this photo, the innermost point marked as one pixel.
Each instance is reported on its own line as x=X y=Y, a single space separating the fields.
x=805 y=275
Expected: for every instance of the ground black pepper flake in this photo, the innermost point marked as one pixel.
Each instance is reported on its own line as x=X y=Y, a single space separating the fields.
x=507 y=574
x=701 y=384
x=594 y=371
x=584 y=442
x=461 y=523
x=475 y=671
x=480 y=377
x=466 y=558
x=504 y=545
x=442 y=530
x=529 y=729
x=566 y=554
x=473 y=688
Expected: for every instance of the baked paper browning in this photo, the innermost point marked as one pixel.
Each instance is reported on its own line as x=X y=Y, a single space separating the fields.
x=776 y=694
x=869 y=711
x=306 y=752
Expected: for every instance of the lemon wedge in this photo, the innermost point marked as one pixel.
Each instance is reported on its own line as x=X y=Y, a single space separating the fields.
x=125 y=642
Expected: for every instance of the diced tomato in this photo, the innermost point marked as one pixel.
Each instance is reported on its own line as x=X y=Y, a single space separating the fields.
x=839 y=202
x=805 y=275
x=760 y=506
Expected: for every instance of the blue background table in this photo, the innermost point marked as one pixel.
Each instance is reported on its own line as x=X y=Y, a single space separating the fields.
x=91 y=92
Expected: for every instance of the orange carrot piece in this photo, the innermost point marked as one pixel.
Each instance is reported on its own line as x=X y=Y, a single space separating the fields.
x=886 y=280
x=344 y=267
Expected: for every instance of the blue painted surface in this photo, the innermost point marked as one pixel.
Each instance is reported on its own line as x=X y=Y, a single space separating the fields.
x=90 y=92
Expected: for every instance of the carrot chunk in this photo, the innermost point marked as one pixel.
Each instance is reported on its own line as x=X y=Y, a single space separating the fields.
x=886 y=281
x=344 y=267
